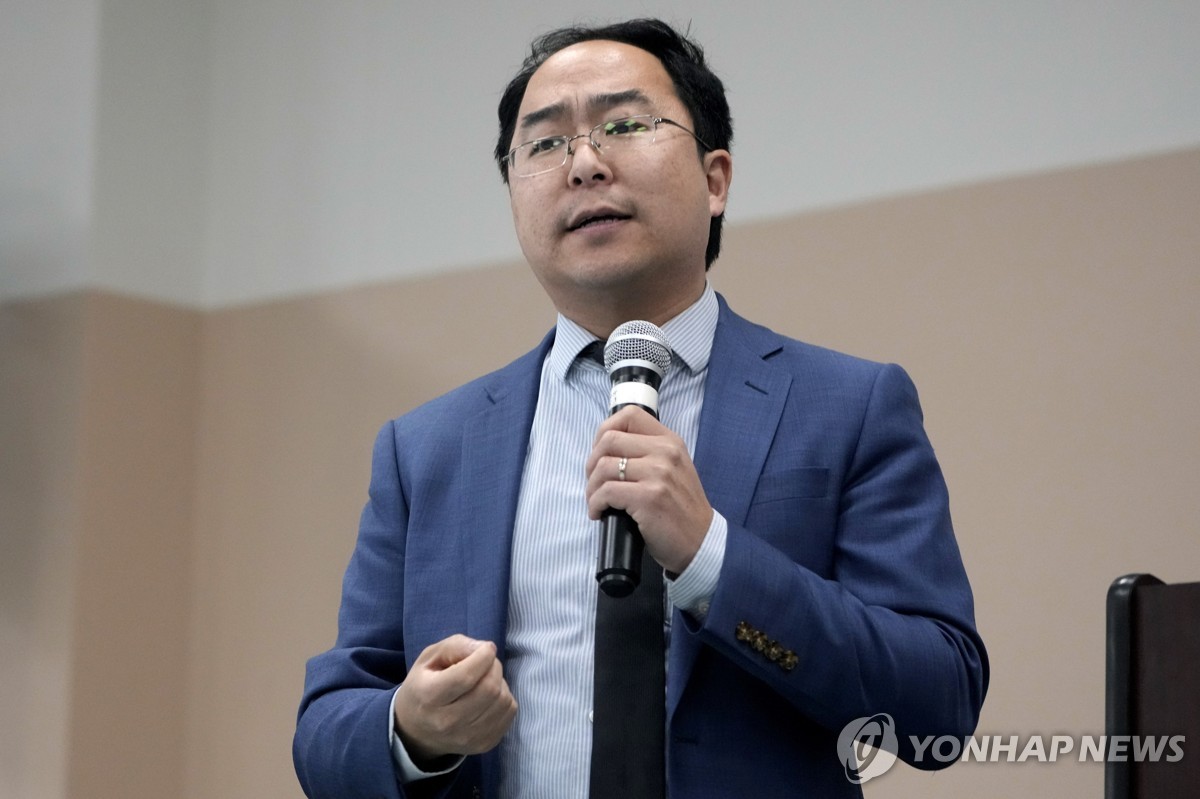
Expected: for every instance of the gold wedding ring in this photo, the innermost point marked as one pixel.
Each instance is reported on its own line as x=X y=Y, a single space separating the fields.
x=621 y=464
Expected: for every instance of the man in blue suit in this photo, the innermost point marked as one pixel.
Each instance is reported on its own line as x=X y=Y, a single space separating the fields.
x=789 y=494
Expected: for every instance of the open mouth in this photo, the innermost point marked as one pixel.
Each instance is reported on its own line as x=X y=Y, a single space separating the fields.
x=599 y=219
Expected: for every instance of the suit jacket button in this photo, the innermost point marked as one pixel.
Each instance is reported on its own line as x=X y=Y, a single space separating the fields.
x=742 y=631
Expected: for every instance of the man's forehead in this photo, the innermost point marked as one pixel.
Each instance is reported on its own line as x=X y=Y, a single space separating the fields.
x=593 y=75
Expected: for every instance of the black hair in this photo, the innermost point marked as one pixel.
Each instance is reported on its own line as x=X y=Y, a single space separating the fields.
x=700 y=91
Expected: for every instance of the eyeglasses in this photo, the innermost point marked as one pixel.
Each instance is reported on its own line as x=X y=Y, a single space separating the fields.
x=629 y=133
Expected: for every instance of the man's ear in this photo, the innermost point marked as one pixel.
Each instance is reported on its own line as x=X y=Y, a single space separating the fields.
x=718 y=168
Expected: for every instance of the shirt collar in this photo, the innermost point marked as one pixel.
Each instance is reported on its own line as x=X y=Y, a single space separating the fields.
x=690 y=335
x=691 y=332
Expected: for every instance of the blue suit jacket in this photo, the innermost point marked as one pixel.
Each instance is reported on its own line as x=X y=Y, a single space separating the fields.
x=840 y=553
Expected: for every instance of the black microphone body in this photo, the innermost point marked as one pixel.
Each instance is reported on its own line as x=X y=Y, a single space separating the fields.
x=637 y=357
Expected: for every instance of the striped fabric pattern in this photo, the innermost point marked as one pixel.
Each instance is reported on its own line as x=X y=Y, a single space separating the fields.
x=552 y=594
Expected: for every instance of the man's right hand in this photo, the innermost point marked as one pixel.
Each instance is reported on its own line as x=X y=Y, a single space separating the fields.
x=455 y=700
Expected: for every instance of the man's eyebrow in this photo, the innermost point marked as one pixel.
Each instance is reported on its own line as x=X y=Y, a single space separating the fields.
x=542 y=114
x=601 y=102
x=597 y=102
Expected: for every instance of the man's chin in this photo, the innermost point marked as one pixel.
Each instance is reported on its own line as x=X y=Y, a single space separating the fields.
x=614 y=280
x=603 y=274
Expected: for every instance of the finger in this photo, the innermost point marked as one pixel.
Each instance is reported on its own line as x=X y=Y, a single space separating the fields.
x=606 y=490
x=618 y=444
x=631 y=419
x=447 y=652
x=450 y=682
x=608 y=472
x=610 y=467
x=603 y=500
x=491 y=699
x=475 y=666
x=486 y=712
x=489 y=727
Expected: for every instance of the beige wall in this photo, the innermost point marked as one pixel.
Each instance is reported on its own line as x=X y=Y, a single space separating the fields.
x=99 y=404
x=41 y=376
x=181 y=489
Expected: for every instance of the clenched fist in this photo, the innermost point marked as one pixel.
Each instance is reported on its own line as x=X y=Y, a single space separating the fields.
x=455 y=700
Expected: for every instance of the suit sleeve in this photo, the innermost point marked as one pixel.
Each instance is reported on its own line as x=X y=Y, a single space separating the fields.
x=889 y=627
x=341 y=746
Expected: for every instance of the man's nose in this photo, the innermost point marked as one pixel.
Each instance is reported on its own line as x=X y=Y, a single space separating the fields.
x=587 y=164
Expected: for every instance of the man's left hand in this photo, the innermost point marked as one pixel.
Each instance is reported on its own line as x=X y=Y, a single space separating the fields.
x=661 y=489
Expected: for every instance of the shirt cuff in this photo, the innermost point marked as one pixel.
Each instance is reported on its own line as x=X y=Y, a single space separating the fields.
x=693 y=589
x=407 y=770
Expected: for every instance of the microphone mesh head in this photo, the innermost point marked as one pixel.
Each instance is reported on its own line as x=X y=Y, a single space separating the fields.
x=638 y=341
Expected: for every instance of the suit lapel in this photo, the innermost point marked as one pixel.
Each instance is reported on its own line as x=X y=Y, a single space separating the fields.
x=494 y=446
x=744 y=396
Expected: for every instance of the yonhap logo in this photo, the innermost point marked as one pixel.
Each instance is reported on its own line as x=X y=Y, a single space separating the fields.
x=867 y=747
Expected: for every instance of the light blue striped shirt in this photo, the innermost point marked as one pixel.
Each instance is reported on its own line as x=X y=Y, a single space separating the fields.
x=552 y=594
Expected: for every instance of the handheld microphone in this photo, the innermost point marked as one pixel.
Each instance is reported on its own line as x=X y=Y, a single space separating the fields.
x=637 y=357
